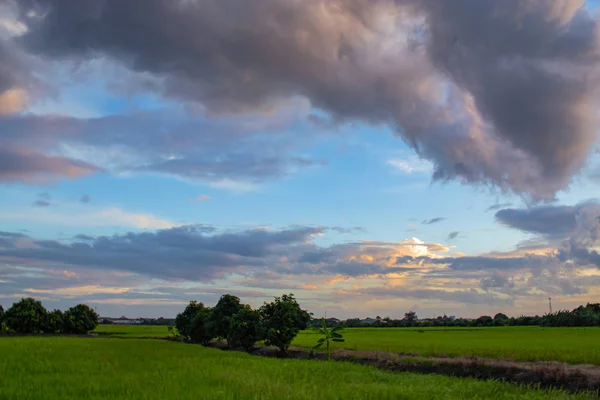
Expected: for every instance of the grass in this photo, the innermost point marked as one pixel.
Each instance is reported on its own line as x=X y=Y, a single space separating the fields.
x=571 y=345
x=103 y=368
x=132 y=331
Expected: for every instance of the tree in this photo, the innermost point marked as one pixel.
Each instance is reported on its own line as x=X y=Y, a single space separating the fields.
x=329 y=335
x=183 y=321
x=2 y=325
x=282 y=319
x=500 y=316
x=202 y=330
x=222 y=313
x=410 y=317
x=80 y=319
x=26 y=316
x=245 y=328
x=54 y=322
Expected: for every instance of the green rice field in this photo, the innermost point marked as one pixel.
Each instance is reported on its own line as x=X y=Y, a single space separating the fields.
x=79 y=368
x=571 y=345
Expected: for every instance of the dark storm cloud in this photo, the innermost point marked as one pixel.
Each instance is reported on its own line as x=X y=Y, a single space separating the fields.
x=492 y=92
x=433 y=220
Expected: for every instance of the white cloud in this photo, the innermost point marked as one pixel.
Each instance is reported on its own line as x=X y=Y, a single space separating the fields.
x=411 y=165
x=200 y=199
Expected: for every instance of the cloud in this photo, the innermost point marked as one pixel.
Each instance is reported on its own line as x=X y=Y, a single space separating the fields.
x=26 y=166
x=433 y=220
x=12 y=101
x=200 y=199
x=498 y=206
x=574 y=230
x=187 y=252
x=453 y=235
x=85 y=199
x=517 y=113
x=78 y=216
x=411 y=165
x=41 y=203
x=231 y=153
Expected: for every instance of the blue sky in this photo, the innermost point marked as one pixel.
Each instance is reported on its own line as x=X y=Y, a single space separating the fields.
x=341 y=175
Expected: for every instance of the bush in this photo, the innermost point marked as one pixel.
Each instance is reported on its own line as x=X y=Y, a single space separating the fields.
x=26 y=316
x=202 y=329
x=54 y=322
x=282 y=319
x=183 y=321
x=245 y=328
x=80 y=319
x=226 y=308
x=2 y=325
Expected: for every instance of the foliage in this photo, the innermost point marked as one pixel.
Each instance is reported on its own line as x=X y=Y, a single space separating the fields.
x=202 y=329
x=26 y=316
x=329 y=335
x=183 y=321
x=222 y=313
x=80 y=319
x=2 y=324
x=245 y=328
x=54 y=322
x=282 y=319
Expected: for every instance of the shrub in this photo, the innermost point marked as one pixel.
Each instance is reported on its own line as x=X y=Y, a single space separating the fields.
x=80 y=319
x=26 y=316
x=183 y=321
x=226 y=308
x=202 y=329
x=282 y=319
x=2 y=325
x=54 y=322
x=245 y=329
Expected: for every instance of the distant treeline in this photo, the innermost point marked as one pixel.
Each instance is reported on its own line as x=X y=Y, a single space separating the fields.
x=141 y=321
x=588 y=315
x=28 y=316
x=276 y=323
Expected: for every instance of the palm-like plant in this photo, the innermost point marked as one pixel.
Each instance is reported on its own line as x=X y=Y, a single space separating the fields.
x=329 y=335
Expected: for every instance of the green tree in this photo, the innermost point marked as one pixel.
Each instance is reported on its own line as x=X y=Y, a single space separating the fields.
x=282 y=319
x=226 y=308
x=410 y=317
x=330 y=335
x=54 y=322
x=245 y=328
x=26 y=316
x=2 y=325
x=183 y=321
x=202 y=330
x=80 y=319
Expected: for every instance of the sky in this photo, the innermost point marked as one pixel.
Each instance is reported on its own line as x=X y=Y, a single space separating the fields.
x=370 y=157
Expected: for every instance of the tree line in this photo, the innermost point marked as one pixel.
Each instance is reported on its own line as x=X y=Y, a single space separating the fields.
x=588 y=315
x=276 y=323
x=28 y=316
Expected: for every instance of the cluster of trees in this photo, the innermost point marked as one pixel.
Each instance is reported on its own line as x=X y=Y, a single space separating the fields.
x=588 y=315
x=276 y=323
x=28 y=316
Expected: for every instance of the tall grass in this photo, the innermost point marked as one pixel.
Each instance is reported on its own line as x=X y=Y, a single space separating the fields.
x=81 y=368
